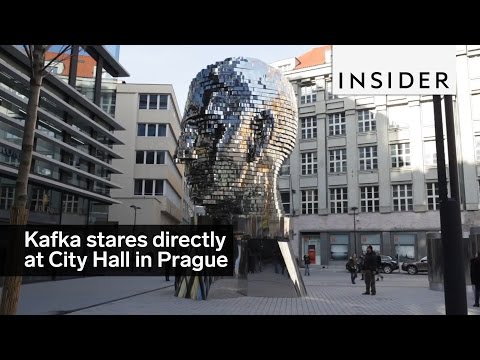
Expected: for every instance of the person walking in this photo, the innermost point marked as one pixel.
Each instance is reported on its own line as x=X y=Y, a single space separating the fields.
x=379 y=268
x=360 y=265
x=475 y=277
x=352 y=269
x=306 y=261
x=369 y=268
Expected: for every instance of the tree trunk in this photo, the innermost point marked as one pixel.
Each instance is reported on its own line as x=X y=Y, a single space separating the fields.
x=19 y=212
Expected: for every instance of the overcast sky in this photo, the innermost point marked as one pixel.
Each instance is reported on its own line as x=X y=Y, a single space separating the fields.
x=179 y=64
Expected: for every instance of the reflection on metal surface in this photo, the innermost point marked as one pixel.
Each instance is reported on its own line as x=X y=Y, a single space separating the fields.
x=239 y=125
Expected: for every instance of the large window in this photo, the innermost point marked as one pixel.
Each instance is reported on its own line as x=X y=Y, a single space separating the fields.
x=338 y=200
x=368 y=157
x=153 y=101
x=369 y=199
x=70 y=204
x=371 y=239
x=336 y=124
x=402 y=197
x=309 y=127
x=400 y=155
x=151 y=129
x=339 y=247
x=310 y=201
x=430 y=153
x=150 y=157
x=285 y=196
x=285 y=169
x=40 y=199
x=309 y=163
x=148 y=187
x=366 y=121
x=433 y=197
x=7 y=194
x=308 y=94
x=338 y=160
x=404 y=246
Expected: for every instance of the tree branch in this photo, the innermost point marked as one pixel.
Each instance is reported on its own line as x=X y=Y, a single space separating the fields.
x=56 y=57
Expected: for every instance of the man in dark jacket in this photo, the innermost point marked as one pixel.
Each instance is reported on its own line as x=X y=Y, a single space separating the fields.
x=475 y=277
x=369 y=267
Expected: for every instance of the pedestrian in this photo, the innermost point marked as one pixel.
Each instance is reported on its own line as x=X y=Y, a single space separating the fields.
x=475 y=277
x=369 y=268
x=306 y=261
x=379 y=268
x=351 y=267
x=360 y=265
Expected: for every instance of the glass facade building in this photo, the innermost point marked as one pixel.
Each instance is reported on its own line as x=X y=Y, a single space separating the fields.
x=70 y=178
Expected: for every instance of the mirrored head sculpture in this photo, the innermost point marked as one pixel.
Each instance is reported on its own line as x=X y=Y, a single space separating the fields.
x=240 y=124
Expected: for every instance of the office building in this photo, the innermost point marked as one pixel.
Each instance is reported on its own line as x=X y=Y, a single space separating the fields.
x=70 y=179
x=376 y=155
x=152 y=186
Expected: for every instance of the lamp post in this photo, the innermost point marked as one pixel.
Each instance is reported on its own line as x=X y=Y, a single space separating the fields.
x=135 y=208
x=354 y=209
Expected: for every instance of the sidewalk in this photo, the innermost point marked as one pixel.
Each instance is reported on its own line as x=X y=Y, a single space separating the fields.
x=330 y=292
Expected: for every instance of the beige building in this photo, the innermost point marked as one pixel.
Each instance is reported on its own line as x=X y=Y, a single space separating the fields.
x=150 y=179
x=376 y=154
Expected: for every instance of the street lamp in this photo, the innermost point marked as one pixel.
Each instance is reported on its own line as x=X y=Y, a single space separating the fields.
x=354 y=209
x=135 y=208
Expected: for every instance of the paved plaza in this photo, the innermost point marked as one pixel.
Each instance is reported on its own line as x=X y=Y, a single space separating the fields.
x=330 y=292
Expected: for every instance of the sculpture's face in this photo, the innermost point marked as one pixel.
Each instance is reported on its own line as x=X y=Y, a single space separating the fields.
x=240 y=124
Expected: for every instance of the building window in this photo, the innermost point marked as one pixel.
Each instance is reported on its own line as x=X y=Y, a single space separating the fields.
x=339 y=247
x=369 y=199
x=70 y=204
x=328 y=93
x=477 y=148
x=370 y=239
x=402 y=197
x=366 y=121
x=7 y=195
x=309 y=127
x=433 y=197
x=338 y=160
x=309 y=163
x=404 y=246
x=338 y=200
x=309 y=201
x=400 y=155
x=152 y=129
x=285 y=169
x=150 y=157
x=153 y=101
x=368 y=157
x=40 y=200
x=430 y=153
x=148 y=187
x=285 y=196
x=336 y=124
x=308 y=94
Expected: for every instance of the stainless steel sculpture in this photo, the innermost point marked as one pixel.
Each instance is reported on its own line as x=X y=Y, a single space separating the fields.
x=240 y=124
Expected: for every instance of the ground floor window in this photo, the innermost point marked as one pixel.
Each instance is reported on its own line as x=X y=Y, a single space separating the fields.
x=371 y=239
x=339 y=247
x=311 y=247
x=404 y=246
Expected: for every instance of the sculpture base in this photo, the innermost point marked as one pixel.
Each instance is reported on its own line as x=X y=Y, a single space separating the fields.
x=265 y=265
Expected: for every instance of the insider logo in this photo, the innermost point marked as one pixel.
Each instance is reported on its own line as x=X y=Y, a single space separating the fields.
x=393 y=69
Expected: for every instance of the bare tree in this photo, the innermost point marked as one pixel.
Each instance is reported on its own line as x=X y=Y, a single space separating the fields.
x=19 y=211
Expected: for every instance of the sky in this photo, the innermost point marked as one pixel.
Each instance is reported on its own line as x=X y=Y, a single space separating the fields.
x=179 y=64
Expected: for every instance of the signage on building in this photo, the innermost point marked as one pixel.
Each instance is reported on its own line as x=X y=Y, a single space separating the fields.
x=394 y=69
